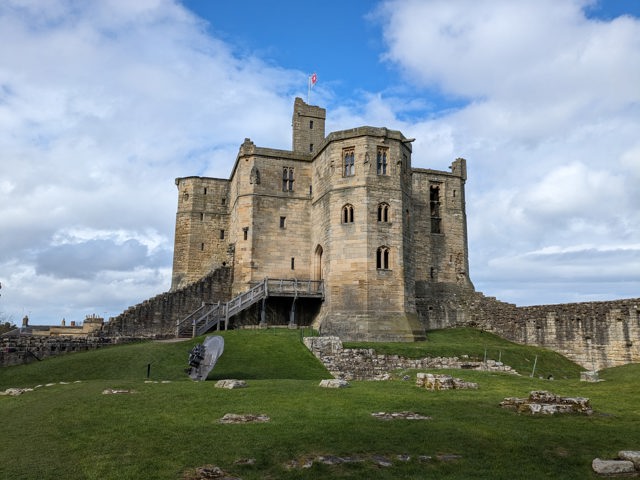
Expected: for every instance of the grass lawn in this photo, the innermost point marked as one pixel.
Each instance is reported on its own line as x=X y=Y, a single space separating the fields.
x=73 y=431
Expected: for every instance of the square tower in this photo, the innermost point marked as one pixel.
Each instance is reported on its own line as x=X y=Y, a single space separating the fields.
x=308 y=127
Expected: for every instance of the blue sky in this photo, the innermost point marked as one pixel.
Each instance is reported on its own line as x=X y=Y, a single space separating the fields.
x=103 y=104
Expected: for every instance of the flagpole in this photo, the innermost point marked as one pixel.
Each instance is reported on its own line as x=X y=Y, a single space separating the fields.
x=311 y=81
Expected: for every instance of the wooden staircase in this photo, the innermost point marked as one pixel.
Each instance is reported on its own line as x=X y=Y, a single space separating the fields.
x=211 y=315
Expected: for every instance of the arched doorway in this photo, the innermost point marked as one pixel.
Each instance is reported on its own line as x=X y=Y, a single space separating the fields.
x=317 y=263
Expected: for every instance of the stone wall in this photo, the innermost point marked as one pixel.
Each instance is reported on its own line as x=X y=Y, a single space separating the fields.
x=441 y=248
x=157 y=316
x=365 y=364
x=595 y=335
x=202 y=229
x=18 y=350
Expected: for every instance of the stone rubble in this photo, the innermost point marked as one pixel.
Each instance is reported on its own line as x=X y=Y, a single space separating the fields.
x=14 y=392
x=400 y=416
x=115 y=391
x=547 y=403
x=435 y=382
x=365 y=364
x=334 y=383
x=248 y=418
x=632 y=456
x=207 y=472
x=230 y=384
x=589 y=376
x=379 y=460
x=627 y=464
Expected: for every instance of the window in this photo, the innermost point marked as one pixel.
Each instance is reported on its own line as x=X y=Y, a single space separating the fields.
x=383 y=212
x=382 y=160
x=382 y=258
x=293 y=263
x=434 y=206
x=202 y=217
x=311 y=124
x=223 y=200
x=254 y=176
x=205 y=190
x=348 y=162
x=287 y=179
x=202 y=247
x=347 y=213
x=221 y=234
x=283 y=222
x=245 y=231
x=311 y=147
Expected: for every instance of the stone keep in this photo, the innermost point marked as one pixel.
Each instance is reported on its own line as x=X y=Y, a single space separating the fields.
x=347 y=209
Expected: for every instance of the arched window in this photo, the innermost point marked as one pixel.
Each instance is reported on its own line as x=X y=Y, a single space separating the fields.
x=434 y=203
x=383 y=212
x=382 y=258
x=287 y=179
x=348 y=161
x=347 y=213
x=382 y=160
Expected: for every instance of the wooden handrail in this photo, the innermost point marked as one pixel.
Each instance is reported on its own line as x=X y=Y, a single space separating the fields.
x=208 y=315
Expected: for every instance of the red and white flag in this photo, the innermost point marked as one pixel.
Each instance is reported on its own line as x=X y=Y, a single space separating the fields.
x=313 y=79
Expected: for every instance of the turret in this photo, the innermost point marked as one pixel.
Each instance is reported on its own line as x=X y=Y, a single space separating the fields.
x=308 y=127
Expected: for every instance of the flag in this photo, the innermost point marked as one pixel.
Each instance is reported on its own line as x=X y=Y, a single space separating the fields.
x=313 y=79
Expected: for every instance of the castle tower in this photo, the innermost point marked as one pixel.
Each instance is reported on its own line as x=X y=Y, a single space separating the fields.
x=308 y=127
x=361 y=227
x=202 y=229
x=388 y=241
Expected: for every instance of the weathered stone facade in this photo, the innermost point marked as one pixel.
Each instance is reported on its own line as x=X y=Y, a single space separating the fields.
x=389 y=242
x=366 y=364
x=347 y=209
x=157 y=316
x=19 y=350
x=595 y=335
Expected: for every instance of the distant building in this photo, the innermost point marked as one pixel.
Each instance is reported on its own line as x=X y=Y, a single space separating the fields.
x=346 y=211
x=91 y=325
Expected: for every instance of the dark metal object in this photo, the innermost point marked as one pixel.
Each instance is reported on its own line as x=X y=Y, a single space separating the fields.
x=204 y=356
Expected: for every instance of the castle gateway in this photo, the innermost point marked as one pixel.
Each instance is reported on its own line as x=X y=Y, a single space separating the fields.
x=343 y=215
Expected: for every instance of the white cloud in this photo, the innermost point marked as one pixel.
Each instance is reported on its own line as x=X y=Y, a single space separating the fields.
x=548 y=121
x=102 y=105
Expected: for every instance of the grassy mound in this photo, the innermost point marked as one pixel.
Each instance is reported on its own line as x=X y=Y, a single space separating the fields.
x=161 y=430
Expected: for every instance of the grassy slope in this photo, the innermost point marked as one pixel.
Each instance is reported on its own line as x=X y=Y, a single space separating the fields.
x=74 y=432
x=477 y=345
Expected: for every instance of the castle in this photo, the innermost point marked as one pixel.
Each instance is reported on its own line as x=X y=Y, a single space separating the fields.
x=342 y=234
x=347 y=214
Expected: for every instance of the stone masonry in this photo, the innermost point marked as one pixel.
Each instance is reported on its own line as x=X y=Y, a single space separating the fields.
x=365 y=364
x=388 y=240
x=595 y=335
x=346 y=208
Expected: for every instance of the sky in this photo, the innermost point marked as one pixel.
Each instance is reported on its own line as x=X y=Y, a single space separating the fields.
x=104 y=103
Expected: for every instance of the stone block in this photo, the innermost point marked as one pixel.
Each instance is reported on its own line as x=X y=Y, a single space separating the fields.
x=334 y=383
x=230 y=384
x=612 y=467
x=435 y=382
x=631 y=455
